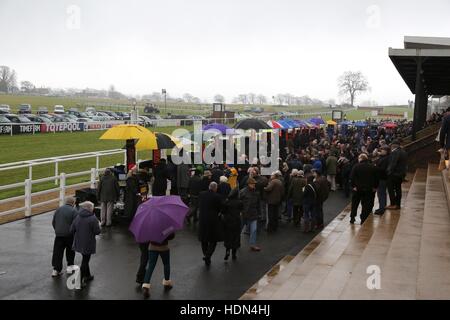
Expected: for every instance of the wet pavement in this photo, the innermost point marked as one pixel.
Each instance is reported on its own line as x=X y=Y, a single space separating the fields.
x=26 y=249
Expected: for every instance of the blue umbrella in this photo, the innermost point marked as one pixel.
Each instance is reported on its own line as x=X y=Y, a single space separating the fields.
x=360 y=124
x=317 y=121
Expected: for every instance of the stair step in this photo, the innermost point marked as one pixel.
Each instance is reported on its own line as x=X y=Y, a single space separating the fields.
x=378 y=247
x=433 y=281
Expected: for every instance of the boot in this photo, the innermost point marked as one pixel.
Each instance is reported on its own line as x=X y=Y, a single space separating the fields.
x=167 y=284
x=146 y=290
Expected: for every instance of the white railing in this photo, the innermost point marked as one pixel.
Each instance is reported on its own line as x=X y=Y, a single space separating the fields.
x=30 y=164
x=28 y=185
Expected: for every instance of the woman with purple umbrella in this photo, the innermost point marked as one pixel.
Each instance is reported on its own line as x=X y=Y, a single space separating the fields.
x=155 y=222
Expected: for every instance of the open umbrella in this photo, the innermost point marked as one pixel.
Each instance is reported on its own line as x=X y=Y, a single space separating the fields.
x=331 y=122
x=255 y=124
x=390 y=125
x=217 y=126
x=157 y=218
x=274 y=124
x=360 y=124
x=317 y=121
x=160 y=141
x=127 y=132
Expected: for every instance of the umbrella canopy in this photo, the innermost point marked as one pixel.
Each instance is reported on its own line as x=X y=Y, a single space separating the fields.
x=255 y=124
x=127 y=132
x=346 y=123
x=160 y=141
x=317 y=121
x=274 y=124
x=360 y=124
x=390 y=125
x=331 y=122
x=217 y=126
x=157 y=218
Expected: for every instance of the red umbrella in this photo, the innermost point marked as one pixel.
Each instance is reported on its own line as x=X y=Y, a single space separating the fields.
x=274 y=124
x=390 y=125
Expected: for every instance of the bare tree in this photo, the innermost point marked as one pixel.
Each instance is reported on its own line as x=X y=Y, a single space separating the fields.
x=242 y=98
x=196 y=100
x=261 y=99
x=27 y=86
x=351 y=84
x=279 y=98
x=251 y=97
x=219 y=98
x=187 y=97
x=7 y=79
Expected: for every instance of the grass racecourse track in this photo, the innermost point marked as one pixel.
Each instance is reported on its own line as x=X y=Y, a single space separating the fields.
x=28 y=147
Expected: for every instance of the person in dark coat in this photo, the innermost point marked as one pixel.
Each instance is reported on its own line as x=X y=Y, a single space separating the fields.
x=322 y=189
x=62 y=220
x=132 y=195
x=251 y=210
x=232 y=223
x=444 y=133
x=382 y=164
x=161 y=175
x=396 y=173
x=206 y=180
x=210 y=226
x=223 y=188
x=84 y=228
x=216 y=173
x=274 y=196
x=295 y=194
x=364 y=181
x=309 y=199
x=108 y=193
x=195 y=187
x=183 y=176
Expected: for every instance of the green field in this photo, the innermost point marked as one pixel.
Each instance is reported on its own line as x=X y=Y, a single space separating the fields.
x=28 y=147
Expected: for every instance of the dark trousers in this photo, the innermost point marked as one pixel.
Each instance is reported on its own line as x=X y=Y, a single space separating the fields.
x=152 y=259
x=394 y=185
x=318 y=213
x=273 y=211
x=381 y=193
x=61 y=244
x=208 y=248
x=143 y=247
x=366 y=198
x=193 y=208
x=85 y=271
x=297 y=212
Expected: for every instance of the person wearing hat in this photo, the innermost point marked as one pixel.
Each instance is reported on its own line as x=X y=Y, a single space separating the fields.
x=251 y=210
x=274 y=192
x=295 y=194
x=206 y=180
x=382 y=164
x=194 y=188
x=396 y=173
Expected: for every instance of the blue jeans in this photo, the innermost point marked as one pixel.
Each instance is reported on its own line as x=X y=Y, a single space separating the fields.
x=152 y=259
x=381 y=194
x=308 y=213
x=253 y=225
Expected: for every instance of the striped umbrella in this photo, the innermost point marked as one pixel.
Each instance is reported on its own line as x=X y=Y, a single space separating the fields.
x=160 y=141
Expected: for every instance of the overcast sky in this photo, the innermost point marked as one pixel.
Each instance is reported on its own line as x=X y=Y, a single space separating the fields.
x=206 y=47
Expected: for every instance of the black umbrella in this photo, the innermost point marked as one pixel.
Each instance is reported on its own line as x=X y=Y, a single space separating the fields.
x=255 y=124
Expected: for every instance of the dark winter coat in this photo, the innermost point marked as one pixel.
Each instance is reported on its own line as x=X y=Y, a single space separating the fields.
x=183 y=176
x=85 y=227
x=210 y=224
x=108 y=189
x=382 y=164
x=444 y=135
x=232 y=220
x=364 y=177
x=322 y=189
x=398 y=163
x=132 y=196
x=161 y=174
x=252 y=203
x=295 y=191
x=195 y=185
x=274 y=192
x=63 y=219
x=224 y=189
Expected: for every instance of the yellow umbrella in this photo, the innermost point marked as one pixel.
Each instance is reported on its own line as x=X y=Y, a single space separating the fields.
x=159 y=141
x=331 y=122
x=127 y=132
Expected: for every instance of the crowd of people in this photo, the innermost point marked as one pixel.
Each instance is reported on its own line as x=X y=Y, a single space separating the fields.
x=228 y=200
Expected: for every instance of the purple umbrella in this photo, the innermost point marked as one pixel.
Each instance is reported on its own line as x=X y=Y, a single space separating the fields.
x=157 y=218
x=218 y=126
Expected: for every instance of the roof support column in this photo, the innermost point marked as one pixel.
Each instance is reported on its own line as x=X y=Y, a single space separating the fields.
x=419 y=99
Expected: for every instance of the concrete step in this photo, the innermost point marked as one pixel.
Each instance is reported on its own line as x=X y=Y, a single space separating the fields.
x=433 y=279
x=378 y=247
